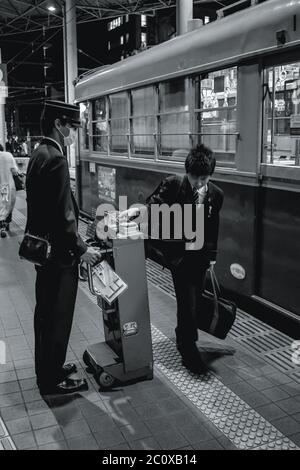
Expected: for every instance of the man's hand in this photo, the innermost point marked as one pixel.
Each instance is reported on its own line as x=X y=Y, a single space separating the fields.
x=130 y=213
x=91 y=256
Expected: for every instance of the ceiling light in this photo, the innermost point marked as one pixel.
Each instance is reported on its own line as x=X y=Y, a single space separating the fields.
x=51 y=8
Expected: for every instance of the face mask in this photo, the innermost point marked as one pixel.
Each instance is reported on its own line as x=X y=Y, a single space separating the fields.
x=71 y=138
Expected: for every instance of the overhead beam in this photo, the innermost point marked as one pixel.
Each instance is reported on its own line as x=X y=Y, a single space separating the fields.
x=28 y=11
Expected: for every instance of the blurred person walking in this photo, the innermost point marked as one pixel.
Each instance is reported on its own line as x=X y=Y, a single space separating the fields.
x=8 y=168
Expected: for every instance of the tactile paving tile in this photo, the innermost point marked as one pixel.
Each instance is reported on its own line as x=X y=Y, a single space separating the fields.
x=242 y=425
x=7 y=444
x=285 y=444
x=3 y=431
x=19 y=218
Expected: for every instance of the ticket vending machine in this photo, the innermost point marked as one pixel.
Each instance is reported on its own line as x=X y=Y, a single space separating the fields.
x=126 y=353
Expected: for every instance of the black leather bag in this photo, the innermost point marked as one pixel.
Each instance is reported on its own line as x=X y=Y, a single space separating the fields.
x=19 y=180
x=35 y=249
x=216 y=315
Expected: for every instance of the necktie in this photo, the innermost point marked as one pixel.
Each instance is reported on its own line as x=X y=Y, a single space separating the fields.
x=195 y=196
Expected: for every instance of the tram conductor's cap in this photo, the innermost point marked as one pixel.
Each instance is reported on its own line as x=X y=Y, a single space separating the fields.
x=67 y=113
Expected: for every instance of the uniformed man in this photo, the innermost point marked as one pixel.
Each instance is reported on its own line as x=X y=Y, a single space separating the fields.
x=52 y=212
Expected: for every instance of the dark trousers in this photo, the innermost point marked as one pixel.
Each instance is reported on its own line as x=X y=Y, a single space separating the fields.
x=8 y=218
x=188 y=278
x=56 y=290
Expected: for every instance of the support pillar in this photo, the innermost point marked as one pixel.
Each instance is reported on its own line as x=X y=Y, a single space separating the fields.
x=70 y=59
x=184 y=13
x=2 y=112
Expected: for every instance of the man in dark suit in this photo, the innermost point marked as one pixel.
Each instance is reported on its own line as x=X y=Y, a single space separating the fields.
x=188 y=263
x=52 y=212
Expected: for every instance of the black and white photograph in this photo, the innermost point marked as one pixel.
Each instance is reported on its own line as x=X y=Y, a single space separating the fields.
x=149 y=228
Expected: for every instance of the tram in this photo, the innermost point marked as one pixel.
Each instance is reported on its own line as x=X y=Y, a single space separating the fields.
x=234 y=85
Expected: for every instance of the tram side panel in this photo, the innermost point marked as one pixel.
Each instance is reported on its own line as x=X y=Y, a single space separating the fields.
x=279 y=252
x=237 y=222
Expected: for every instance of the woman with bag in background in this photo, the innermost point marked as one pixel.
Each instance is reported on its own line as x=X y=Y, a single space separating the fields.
x=8 y=170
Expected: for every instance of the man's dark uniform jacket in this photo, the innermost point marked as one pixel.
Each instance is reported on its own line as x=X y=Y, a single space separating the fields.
x=52 y=211
x=176 y=189
x=51 y=207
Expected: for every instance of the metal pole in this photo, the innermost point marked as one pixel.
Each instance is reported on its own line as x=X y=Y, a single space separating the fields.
x=70 y=58
x=184 y=13
x=2 y=117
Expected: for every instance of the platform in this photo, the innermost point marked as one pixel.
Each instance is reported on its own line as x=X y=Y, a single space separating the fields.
x=248 y=401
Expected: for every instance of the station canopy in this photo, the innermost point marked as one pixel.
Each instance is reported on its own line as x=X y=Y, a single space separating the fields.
x=19 y=16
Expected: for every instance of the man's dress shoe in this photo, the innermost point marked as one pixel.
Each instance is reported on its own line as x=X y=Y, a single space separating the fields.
x=67 y=370
x=192 y=359
x=65 y=387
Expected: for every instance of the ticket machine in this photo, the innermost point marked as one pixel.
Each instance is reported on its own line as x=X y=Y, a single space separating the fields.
x=120 y=284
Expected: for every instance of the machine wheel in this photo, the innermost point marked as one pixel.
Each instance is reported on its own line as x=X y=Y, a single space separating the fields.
x=86 y=359
x=3 y=234
x=105 y=380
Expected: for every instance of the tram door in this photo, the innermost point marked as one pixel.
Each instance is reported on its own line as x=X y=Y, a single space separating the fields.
x=279 y=198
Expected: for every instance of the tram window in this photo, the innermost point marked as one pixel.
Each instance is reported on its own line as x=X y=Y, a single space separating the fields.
x=143 y=101
x=100 y=134
x=216 y=106
x=174 y=135
x=143 y=122
x=84 y=130
x=174 y=96
x=282 y=115
x=119 y=113
x=174 y=119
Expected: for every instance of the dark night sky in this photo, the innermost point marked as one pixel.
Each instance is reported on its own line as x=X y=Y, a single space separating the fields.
x=24 y=55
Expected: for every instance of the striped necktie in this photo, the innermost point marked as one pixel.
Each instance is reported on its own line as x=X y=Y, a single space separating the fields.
x=195 y=196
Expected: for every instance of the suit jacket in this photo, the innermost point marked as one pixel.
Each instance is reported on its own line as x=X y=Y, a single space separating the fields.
x=176 y=189
x=52 y=210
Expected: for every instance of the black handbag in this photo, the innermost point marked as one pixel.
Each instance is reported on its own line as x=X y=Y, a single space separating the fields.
x=35 y=249
x=216 y=315
x=19 y=179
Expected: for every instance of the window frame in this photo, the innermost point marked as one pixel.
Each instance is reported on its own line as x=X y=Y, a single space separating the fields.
x=266 y=67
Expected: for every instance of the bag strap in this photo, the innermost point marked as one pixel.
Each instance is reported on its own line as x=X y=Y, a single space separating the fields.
x=215 y=281
x=216 y=293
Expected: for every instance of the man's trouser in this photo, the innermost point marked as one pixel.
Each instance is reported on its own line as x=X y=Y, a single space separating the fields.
x=56 y=290
x=188 y=280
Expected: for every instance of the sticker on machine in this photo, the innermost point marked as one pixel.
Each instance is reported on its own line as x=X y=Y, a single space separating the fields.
x=130 y=328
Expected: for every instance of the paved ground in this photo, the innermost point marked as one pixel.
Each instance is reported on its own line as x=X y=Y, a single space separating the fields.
x=245 y=403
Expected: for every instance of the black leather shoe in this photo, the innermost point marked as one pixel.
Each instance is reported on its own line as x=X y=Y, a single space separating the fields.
x=65 y=387
x=192 y=359
x=67 y=370
x=195 y=367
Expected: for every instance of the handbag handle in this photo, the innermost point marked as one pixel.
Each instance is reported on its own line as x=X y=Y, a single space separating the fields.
x=216 y=292
x=214 y=281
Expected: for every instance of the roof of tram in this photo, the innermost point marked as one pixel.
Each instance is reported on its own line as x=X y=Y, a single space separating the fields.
x=19 y=16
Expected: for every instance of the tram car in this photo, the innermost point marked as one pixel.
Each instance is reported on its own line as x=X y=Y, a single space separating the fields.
x=234 y=85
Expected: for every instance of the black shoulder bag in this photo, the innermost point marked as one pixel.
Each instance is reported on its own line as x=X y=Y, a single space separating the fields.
x=216 y=315
x=35 y=249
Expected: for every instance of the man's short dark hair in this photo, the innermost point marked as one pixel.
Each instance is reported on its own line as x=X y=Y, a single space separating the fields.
x=200 y=161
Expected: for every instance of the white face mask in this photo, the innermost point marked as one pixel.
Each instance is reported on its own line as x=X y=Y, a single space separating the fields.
x=71 y=138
